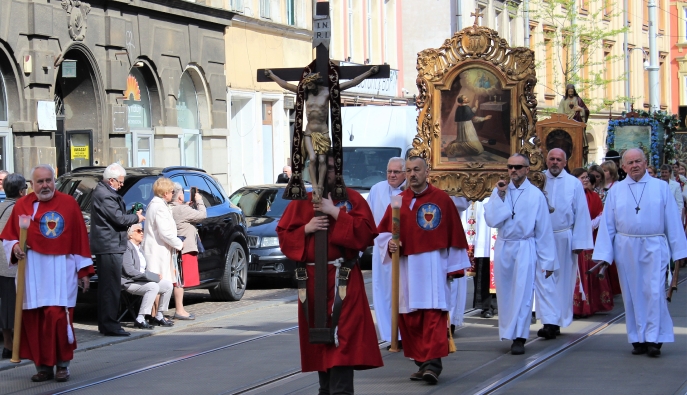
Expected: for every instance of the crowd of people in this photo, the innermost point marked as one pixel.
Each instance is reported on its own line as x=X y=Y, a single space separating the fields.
x=155 y=261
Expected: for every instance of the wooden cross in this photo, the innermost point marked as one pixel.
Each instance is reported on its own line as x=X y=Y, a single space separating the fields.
x=477 y=14
x=319 y=332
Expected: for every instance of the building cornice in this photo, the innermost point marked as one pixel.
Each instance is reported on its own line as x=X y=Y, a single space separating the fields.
x=273 y=28
x=179 y=8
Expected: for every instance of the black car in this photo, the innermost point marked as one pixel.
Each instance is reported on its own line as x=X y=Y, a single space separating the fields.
x=224 y=264
x=263 y=206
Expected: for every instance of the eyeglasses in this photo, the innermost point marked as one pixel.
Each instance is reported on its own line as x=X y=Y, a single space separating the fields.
x=516 y=167
x=118 y=182
x=394 y=172
x=139 y=231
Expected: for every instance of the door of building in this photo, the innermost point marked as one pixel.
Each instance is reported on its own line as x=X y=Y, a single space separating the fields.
x=74 y=148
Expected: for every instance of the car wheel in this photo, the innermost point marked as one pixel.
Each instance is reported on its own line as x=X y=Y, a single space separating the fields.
x=233 y=283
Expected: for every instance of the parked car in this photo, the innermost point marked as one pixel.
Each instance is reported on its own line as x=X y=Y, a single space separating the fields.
x=224 y=264
x=263 y=206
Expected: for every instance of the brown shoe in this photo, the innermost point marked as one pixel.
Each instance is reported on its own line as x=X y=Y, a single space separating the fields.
x=42 y=376
x=62 y=375
x=417 y=376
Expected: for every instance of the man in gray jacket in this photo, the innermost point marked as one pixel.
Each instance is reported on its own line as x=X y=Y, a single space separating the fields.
x=109 y=223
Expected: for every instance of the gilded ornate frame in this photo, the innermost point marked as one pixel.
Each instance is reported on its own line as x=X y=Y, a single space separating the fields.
x=476 y=47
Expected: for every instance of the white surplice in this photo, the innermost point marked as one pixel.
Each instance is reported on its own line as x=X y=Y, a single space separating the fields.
x=572 y=230
x=459 y=286
x=423 y=282
x=642 y=243
x=525 y=244
x=379 y=199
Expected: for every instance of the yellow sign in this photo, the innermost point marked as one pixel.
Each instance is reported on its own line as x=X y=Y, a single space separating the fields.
x=80 y=152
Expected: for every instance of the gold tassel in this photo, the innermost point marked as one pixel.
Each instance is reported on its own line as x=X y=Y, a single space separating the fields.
x=451 y=343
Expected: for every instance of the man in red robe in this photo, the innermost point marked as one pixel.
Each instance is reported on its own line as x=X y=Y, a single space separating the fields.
x=351 y=229
x=58 y=260
x=433 y=250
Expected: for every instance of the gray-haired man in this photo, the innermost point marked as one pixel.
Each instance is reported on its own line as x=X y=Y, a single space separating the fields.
x=109 y=223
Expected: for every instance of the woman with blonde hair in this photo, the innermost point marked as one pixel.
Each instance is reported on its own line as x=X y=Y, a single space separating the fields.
x=160 y=239
x=610 y=173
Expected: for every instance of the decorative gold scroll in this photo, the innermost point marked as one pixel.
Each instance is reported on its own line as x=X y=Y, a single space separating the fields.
x=476 y=47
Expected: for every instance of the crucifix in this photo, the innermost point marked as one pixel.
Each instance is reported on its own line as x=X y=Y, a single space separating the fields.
x=318 y=93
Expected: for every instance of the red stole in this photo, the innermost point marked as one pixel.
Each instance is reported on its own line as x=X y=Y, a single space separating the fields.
x=432 y=224
x=58 y=227
x=595 y=205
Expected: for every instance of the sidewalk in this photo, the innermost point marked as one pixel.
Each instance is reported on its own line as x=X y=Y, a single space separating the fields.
x=197 y=301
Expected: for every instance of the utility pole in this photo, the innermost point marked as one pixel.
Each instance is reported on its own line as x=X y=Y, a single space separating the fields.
x=654 y=87
x=626 y=56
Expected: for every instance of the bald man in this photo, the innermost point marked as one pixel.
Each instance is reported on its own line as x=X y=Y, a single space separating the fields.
x=641 y=231
x=572 y=231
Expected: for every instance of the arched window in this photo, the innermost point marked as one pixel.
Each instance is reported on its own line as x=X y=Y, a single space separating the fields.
x=139 y=119
x=188 y=120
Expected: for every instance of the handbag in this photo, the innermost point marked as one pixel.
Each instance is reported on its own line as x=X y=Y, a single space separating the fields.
x=152 y=277
x=201 y=249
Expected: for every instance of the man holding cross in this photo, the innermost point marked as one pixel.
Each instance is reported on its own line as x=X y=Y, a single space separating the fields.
x=351 y=229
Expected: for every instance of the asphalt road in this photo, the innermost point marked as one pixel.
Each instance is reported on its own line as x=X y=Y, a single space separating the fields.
x=252 y=347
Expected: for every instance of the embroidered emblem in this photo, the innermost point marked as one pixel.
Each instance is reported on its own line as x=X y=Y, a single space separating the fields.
x=345 y=203
x=51 y=224
x=429 y=216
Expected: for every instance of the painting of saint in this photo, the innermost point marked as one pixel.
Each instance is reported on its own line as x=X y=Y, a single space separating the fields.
x=475 y=119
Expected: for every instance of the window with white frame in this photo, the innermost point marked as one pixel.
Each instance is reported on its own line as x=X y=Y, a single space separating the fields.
x=265 y=9
x=188 y=120
x=683 y=36
x=236 y=5
x=291 y=12
x=3 y=101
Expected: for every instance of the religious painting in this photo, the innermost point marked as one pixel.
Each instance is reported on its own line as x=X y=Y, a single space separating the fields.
x=681 y=146
x=633 y=136
x=475 y=119
x=560 y=132
x=477 y=108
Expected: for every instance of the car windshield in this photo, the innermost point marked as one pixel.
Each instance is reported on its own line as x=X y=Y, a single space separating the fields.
x=260 y=202
x=364 y=166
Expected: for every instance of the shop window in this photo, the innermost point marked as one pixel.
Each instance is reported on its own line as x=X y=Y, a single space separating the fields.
x=188 y=120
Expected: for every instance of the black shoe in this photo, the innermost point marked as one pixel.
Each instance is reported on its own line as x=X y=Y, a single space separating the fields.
x=487 y=314
x=163 y=322
x=142 y=325
x=653 y=349
x=121 y=333
x=6 y=353
x=430 y=377
x=548 y=332
x=556 y=329
x=639 y=348
x=518 y=346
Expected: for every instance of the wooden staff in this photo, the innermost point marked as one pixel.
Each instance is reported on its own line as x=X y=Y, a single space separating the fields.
x=24 y=222
x=673 y=284
x=396 y=202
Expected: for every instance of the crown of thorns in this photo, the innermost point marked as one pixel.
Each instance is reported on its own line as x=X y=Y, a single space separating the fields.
x=311 y=78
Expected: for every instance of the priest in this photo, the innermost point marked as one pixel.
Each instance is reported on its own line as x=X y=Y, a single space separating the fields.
x=433 y=249
x=351 y=229
x=379 y=199
x=524 y=246
x=572 y=232
x=641 y=231
x=58 y=260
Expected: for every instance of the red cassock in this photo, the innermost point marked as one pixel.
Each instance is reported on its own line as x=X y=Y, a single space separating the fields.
x=57 y=229
x=432 y=224
x=598 y=291
x=354 y=231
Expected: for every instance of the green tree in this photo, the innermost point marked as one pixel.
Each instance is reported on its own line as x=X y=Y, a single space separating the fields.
x=575 y=38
